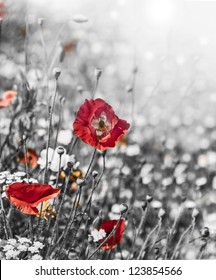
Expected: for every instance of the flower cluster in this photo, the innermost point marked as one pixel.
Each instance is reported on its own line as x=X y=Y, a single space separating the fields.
x=20 y=248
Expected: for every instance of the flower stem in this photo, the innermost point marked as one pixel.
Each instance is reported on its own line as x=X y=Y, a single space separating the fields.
x=91 y=162
x=51 y=109
x=146 y=241
x=58 y=213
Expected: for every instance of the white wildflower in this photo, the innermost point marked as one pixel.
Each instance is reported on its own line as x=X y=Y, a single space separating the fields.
x=33 y=249
x=38 y=245
x=22 y=248
x=19 y=174
x=36 y=257
x=12 y=241
x=98 y=234
x=8 y=247
x=24 y=240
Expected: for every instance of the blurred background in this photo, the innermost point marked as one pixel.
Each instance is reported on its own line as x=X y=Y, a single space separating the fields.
x=171 y=42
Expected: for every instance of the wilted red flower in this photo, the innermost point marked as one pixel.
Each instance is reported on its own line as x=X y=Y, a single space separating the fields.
x=7 y=98
x=3 y=10
x=32 y=158
x=97 y=124
x=26 y=197
x=115 y=238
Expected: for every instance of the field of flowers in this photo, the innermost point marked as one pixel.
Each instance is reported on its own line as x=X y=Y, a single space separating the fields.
x=92 y=165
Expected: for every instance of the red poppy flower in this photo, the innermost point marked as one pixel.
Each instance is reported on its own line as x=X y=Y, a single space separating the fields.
x=32 y=158
x=97 y=124
x=115 y=238
x=7 y=98
x=3 y=10
x=26 y=197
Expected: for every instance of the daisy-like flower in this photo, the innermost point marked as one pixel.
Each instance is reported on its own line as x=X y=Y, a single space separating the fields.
x=97 y=125
x=26 y=197
x=53 y=159
x=7 y=98
x=98 y=234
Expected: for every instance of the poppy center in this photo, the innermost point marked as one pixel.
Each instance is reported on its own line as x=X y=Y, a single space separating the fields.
x=101 y=123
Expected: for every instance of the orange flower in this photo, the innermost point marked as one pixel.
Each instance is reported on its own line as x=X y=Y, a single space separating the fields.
x=7 y=98
x=46 y=210
x=76 y=174
x=32 y=158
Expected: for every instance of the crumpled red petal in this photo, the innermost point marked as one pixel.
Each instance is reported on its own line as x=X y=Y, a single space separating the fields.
x=26 y=196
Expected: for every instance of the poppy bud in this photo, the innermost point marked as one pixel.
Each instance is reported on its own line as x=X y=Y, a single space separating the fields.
x=144 y=205
x=70 y=164
x=129 y=88
x=195 y=213
x=98 y=73
x=40 y=21
x=205 y=232
x=156 y=251
x=97 y=222
x=161 y=213
x=60 y=150
x=81 y=182
x=123 y=208
x=94 y=174
x=56 y=73
x=90 y=238
x=62 y=99
x=80 y=18
x=80 y=89
x=149 y=198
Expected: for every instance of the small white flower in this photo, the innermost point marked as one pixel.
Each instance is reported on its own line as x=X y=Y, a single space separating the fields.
x=24 y=240
x=36 y=257
x=33 y=249
x=38 y=245
x=12 y=241
x=22 y=248
x=98 y=234
x=19 y=174
x=8 y=247
x=11 y=254
x=53 y=159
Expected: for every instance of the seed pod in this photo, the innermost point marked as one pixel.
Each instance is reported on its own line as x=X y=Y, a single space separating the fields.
x=60 y=150
x=81 y=182
x=123 y=208
x=149 y=198
x=56 y=73
x=161 y=213
x=205 y=232
x=94 y=173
